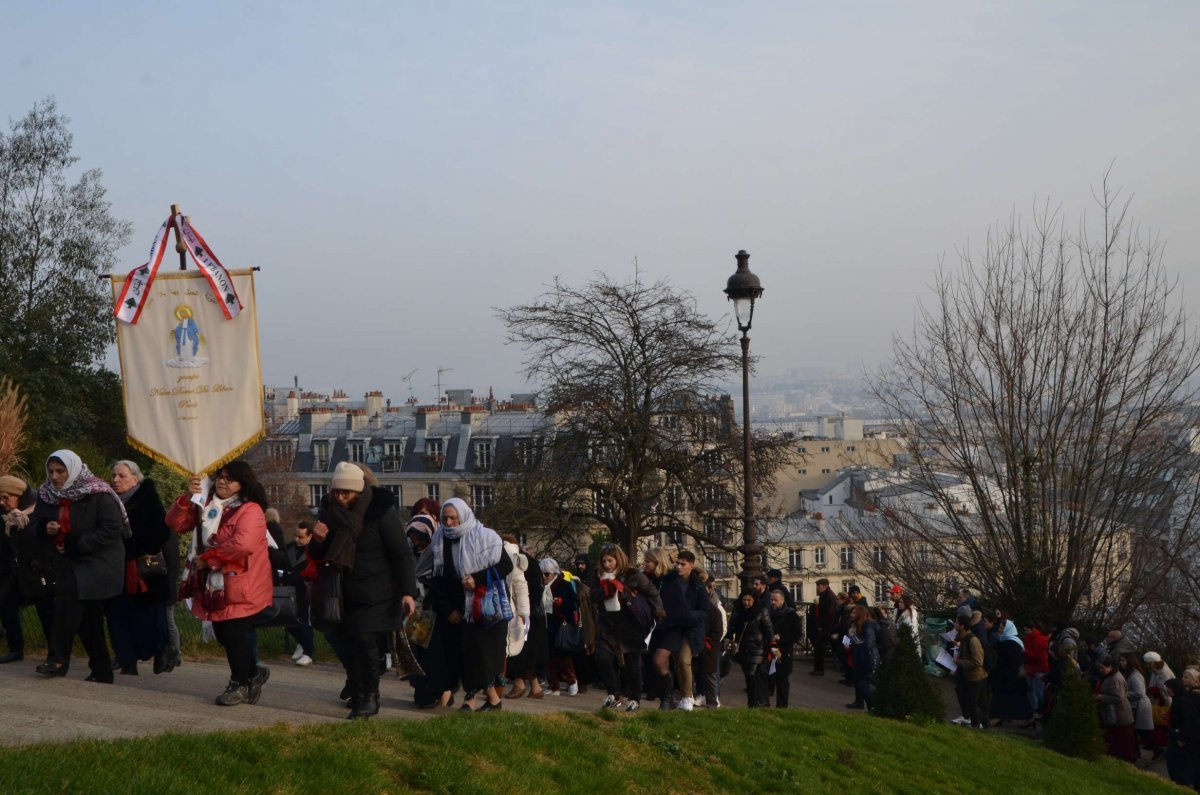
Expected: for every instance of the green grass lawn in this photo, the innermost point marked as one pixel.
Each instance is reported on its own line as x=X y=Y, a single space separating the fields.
x=734 y=750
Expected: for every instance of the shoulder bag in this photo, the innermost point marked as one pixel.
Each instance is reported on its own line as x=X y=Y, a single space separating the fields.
x=284 y=610
x=492 y=606
x=326 y=599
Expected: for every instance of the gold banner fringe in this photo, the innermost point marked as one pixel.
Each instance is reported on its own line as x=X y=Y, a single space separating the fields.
x=182 y=470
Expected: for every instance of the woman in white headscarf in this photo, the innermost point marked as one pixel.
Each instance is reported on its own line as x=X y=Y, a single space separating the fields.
x=463 y=552
x=82 y=519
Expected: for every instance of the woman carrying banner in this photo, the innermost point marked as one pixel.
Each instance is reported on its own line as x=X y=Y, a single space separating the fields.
x=228 y=572
x=359 y=531
x=463 y=552
x=81 y=519
x=137 y=617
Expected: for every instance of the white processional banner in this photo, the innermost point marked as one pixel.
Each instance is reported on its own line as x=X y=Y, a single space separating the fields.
x=190 y=373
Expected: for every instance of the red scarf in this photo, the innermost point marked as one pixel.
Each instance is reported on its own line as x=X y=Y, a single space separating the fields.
x=64 y=523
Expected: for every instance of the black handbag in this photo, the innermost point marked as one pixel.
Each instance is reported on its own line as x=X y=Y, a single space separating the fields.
x=569 y=640
x=33 y=584
x=284 y=610
x=152 y=565
x=326 y=601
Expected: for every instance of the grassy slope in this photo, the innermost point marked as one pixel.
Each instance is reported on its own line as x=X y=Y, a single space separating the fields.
x=731 y=750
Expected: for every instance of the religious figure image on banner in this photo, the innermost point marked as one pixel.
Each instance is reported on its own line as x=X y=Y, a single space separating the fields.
x=187 y=340
x=190 y=373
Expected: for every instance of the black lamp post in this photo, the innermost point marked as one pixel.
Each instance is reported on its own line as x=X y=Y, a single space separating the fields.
x=744 y=288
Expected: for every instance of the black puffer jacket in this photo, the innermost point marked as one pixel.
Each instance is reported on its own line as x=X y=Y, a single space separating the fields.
x=753 y=631
x=383 y=572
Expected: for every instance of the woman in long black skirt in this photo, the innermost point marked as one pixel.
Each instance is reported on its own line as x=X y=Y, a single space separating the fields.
x=463 y=552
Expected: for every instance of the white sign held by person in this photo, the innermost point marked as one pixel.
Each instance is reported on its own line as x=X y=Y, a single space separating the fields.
x=190 y=371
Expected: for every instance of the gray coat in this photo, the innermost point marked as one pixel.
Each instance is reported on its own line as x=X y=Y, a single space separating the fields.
x=1114 y=702
x=94 y=550
x=1139 y=702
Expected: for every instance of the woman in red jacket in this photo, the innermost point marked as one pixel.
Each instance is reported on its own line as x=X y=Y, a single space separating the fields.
x=228 y=576
x=1037 y=665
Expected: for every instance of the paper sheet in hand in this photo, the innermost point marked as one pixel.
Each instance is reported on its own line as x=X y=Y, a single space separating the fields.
x=846 y=641
x=946 y=661
x=950 y=636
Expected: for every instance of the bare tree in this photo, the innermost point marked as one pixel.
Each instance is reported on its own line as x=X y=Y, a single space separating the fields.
x=1053 y=378
x=628 y=369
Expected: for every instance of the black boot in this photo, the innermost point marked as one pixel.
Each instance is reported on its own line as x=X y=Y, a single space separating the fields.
x=364 y=706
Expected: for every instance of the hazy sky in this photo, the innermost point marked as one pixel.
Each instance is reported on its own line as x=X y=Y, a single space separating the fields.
x=397 y=169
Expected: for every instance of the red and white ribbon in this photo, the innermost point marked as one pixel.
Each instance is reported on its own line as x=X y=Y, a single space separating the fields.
x=213 y=270
x=137 y=284
x=133 y=295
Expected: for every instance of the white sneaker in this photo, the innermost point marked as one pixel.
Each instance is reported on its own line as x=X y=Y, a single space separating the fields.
x=633 y=706
x=699 y=701
x=304 y=659
x=554 y=692
x=573 y=690
x=686 y=704
x=387 y=662
x=298 y=653
x=609 y=702
x=714 y=704
x=960 y=720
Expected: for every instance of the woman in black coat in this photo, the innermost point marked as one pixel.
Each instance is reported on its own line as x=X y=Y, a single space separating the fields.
x=464 y=551
x=1009 y=690
x=751 y=630
x=81 y=520
x=137 y=617
x=359 y=531
x=625 y=602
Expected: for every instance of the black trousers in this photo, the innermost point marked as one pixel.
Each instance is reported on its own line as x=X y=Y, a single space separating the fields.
x=238 y=636
x=970 y=699
x=820 y=641
x=362 y=662
x=756 y=684
x=607 y=669
x=83 y=617
x=10 y=619
x=783 y=679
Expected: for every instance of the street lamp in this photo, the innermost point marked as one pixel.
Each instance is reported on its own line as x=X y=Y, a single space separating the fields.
x=744 y=288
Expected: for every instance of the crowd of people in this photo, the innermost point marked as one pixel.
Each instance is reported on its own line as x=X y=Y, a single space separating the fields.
x=100 y=560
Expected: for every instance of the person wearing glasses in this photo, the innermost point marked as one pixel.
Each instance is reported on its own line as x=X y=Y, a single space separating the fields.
x=228 y=570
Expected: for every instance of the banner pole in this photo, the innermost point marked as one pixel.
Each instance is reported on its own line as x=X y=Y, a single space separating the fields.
x=179 y=246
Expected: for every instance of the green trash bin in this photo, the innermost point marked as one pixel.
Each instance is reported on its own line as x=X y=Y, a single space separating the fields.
x=932 y=643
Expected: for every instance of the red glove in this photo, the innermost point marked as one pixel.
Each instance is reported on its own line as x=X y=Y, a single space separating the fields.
x=708 y=646
x=611 y=588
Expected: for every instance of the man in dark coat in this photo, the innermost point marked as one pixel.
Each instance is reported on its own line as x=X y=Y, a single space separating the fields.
x=296 y=554
x=775 y=583
x=788 y=632
x=360 y=532
x=825 y=625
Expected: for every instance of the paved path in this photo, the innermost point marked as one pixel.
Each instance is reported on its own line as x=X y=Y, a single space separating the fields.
x=54 y=710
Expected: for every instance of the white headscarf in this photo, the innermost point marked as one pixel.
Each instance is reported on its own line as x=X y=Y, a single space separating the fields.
x=79 y=484
x=478 y=547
